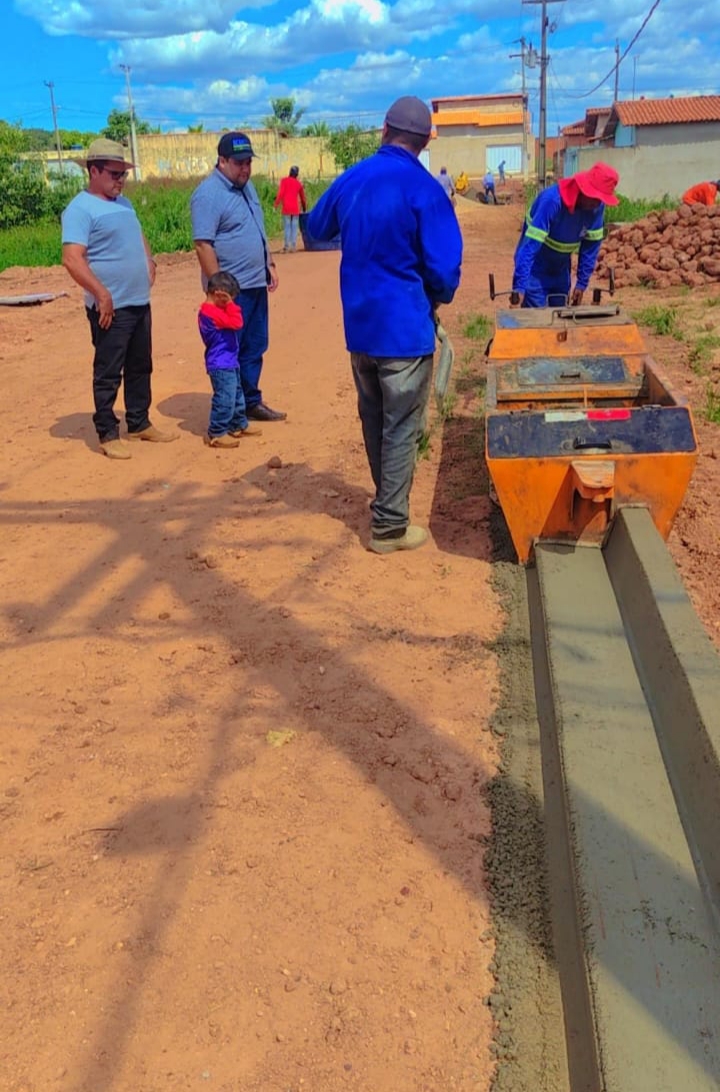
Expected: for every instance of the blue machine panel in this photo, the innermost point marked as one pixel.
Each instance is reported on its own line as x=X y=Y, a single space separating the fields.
x=643 y=430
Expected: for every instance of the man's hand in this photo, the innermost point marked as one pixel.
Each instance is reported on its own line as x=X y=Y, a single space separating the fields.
x=274 y=279
x=577 y=297
x=515 y=299
x=105 y=309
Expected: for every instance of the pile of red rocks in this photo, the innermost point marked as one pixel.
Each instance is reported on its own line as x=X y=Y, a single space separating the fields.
x=676 y=246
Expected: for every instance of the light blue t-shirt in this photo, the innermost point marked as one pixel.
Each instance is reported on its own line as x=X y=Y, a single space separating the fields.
x=111 y=233
x=231 y=218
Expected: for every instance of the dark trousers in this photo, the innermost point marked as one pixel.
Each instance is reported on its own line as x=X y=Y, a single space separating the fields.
x=392 y=403
x=123 y=354
x=253 y=303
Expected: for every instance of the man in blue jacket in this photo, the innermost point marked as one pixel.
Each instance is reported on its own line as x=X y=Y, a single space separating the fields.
x=565 y=219
x=401 y=255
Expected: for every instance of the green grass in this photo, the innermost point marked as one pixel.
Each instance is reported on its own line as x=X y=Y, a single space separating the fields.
x=702 y=351
x=163 y=208
x=477 y=327
x=661 y=320
x=712 y=406
x=448 y=406
x=424 y=445
x=628 y=209
x=31 y=244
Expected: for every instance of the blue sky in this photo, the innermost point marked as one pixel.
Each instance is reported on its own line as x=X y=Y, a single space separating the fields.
x=343 y=60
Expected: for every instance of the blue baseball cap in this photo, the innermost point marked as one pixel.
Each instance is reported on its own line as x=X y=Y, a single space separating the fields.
x=235 y=146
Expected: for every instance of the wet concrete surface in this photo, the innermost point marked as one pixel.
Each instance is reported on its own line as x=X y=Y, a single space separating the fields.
x=526 y=1000
x=634 y=935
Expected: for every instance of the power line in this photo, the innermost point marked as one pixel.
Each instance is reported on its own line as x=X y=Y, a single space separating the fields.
x=619 y=61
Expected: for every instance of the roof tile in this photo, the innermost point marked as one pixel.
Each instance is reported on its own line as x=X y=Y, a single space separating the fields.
x=669 y=111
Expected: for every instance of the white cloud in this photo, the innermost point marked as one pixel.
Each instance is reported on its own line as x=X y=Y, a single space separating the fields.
x=118 y=19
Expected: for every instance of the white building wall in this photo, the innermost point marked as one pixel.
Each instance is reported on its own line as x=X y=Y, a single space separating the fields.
x=652 y=171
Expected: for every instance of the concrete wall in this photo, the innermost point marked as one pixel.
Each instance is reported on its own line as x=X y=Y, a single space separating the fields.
x=653 y=171
x=460 y=147
x=673 y=135
x=192 y=155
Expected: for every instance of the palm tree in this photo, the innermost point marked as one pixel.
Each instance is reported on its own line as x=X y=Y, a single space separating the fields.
x=284 y=118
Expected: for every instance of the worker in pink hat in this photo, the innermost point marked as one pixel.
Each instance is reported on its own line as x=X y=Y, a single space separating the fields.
x=565 y=219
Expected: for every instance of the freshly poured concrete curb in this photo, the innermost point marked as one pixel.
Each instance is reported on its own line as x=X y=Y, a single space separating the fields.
x=643 y=984
x=680 y=673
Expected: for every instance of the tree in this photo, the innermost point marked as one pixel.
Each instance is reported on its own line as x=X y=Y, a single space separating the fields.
x=316 y=129
x=118 y=126
x=22 y=181
x=75 y=138
x=351 y=144
x=199 y=128
x=284 y=118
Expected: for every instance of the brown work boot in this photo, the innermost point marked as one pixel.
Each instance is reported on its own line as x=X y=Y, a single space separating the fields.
x=221 y=441
x=153 y=435
x=251 y=430
x=115 y=449
x=412 y=538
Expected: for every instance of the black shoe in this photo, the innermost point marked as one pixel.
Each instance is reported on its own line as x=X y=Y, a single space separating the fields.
x=261 y=412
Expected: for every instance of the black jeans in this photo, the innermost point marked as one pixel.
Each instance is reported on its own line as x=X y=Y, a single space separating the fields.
x=123 y=353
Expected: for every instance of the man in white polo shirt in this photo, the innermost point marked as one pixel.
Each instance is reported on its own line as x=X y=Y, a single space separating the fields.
x=229 y=234
x=106 y=253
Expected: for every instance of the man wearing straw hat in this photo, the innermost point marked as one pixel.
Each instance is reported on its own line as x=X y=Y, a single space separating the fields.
x=106 y=253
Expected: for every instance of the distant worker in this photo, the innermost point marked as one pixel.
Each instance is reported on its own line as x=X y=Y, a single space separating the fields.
x=565 y=219
x=703 y=193
x=447 y=183
x=291 y=197
x=501 y=172
x=462 y=183
x=489 y=188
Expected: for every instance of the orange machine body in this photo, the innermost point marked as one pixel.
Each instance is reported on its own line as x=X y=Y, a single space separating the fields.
x=580 y=422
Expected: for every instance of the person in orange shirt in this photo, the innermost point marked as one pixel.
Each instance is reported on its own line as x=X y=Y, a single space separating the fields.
x=290 y=197
x=704 y=193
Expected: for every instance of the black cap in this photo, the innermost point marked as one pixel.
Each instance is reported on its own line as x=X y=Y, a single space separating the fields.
x=235 y=146
x=410 y=115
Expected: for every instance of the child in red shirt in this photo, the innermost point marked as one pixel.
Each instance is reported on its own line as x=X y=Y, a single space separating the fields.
x=220 y=320
x=290 y=197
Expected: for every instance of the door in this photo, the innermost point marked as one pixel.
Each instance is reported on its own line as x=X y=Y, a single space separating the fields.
x=511 y=153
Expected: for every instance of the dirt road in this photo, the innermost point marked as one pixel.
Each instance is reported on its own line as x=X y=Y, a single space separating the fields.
x=245 y=761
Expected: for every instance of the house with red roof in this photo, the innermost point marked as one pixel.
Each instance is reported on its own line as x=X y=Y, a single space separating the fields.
x=658 y=146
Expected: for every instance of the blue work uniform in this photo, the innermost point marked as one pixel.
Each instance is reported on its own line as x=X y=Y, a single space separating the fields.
x=401 y=251
x=550 y=236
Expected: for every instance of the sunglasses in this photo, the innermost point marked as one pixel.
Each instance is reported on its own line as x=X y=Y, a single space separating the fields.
x=117 y=176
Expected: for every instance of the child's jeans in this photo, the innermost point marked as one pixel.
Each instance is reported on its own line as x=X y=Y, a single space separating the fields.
x=290 y=225
x=227 y=410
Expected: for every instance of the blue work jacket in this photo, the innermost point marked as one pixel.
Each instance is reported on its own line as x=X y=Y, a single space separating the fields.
x=401 y=251
x=550 y=236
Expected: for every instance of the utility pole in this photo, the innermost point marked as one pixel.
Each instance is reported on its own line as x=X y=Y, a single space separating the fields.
x=617 y=70
x=523 y=62
x=542 y=136
x=133 y=137
x=58 y=142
